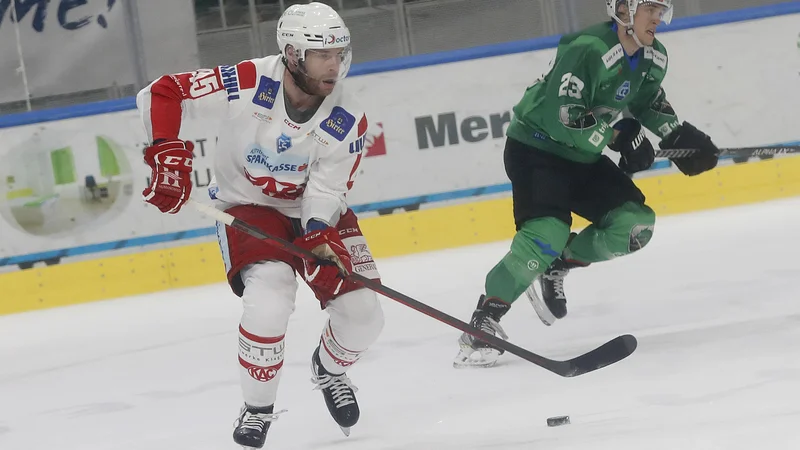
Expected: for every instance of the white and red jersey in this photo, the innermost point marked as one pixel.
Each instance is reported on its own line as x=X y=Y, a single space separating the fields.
x=303 y=170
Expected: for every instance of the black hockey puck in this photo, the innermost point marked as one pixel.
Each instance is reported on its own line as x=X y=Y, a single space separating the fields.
x=557 y=421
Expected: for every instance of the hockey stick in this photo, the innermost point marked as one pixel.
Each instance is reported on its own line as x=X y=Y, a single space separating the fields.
x=609 y=353
x=734 y=152
x=744 y=151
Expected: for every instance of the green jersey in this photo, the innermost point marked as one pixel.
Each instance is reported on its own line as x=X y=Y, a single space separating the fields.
x=591 y=82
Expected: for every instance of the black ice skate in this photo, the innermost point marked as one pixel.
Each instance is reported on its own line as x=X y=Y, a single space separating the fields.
x=339 y=394
x=486 y=317
x=252 y=426
x=551 y=305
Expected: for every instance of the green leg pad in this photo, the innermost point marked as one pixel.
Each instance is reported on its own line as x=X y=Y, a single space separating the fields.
x=534 y=247
x=622 y=231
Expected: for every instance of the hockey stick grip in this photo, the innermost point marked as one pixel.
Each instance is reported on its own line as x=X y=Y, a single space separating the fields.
x=214 y=213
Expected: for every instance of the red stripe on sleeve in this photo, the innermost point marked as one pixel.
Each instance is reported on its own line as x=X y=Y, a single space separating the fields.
x=352 y=172
x=362 y=125
x=247 y=74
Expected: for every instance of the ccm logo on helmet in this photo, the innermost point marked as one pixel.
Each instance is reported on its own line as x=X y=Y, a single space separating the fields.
x=334 y=40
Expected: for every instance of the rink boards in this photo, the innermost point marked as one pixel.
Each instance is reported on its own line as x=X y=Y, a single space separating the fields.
x=391 y=235
x=432 y=178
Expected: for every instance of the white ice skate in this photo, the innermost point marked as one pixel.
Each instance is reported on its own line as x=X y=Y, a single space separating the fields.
x=474 y=353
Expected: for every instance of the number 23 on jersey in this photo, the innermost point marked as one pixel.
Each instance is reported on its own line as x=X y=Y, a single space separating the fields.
x=571 y=86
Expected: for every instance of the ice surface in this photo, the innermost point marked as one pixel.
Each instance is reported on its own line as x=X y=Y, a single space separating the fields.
x=713 y=300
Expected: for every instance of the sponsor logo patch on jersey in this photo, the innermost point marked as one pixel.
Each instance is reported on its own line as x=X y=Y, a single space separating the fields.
x=623 y=90
x=596 y=139
x=283 y=143
x=339 y=123
x=258 y=158
x=361 y=258
x=668 y=128
x=262 y=117
x=230 y=81
x=317 y=137
x=612 y=56
x=267 y=92
x=658 y=58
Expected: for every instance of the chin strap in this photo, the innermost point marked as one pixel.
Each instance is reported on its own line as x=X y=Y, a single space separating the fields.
x=628 y=29
x=629 y=32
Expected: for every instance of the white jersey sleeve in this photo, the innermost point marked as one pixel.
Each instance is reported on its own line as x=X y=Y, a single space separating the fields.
x=203 y=93
x=334 y=171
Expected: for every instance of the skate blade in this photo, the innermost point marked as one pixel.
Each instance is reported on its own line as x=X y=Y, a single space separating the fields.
x=540 y=306
x=346 y=431
x=476 y=358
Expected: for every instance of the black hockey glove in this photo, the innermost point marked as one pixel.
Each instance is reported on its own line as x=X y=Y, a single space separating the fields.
x=635 y=149
x=687 y=136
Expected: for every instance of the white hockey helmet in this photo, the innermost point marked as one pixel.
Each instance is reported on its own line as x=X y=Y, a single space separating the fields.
x=612 y=6
x=314 y=26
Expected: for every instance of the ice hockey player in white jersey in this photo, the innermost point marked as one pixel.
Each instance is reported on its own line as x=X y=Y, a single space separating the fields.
x=290 y=142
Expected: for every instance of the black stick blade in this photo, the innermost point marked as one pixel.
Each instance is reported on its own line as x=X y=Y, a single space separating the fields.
x=609 y=353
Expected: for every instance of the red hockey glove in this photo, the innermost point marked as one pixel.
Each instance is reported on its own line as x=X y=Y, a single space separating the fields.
x=171 y=175
x=327 y=274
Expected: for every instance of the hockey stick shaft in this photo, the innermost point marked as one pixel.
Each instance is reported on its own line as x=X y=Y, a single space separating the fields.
x=742 y=152
x=562 y=368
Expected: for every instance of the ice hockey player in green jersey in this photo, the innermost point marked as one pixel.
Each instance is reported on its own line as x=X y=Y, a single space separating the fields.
x=553 y=157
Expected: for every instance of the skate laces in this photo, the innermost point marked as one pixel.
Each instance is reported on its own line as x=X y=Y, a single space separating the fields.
x=340 y=386
x=255 y=420
x=491 y=326
x=556 y=278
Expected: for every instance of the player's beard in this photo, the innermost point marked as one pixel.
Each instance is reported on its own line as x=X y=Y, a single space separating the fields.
x=311 y=86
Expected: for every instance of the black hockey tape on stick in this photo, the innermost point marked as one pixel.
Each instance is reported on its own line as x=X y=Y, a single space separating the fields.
x=608 y=353
x=742 y=152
